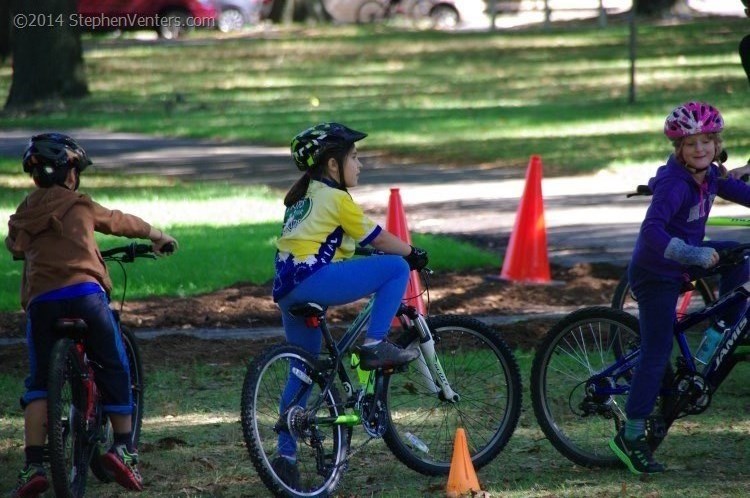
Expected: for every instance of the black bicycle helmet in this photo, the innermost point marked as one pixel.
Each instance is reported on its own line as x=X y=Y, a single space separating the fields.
x=309 y=145
x=49 y=156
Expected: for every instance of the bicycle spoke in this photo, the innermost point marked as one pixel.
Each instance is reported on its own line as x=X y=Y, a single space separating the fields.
x=576 y=420
x=481 y=371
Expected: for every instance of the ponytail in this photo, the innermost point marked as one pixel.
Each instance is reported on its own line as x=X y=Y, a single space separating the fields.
x=297 y=191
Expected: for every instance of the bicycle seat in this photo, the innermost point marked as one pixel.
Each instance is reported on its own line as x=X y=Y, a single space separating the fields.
x=75 y=328
x=307 y=310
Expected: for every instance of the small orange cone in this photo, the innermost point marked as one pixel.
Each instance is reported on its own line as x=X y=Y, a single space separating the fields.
x=526 y=257
x=462 y=477
x=396 y=224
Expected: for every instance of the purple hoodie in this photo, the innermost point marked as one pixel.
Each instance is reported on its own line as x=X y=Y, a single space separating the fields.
x=679 y=208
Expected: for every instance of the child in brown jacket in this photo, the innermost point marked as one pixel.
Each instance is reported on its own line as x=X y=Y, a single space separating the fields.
x=64 y=275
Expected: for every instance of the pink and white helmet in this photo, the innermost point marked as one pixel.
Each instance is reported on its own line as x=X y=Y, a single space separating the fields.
x=693 y=118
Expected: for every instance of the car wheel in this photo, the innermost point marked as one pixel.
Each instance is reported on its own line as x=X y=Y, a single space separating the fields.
x=445 y=17
x=173 y=24
x=231 y=20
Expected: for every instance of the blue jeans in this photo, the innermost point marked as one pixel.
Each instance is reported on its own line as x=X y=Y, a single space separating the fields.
x=103 y=345
x=335 y=284
x=657 y=299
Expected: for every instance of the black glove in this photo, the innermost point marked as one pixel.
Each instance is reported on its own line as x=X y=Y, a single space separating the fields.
x=417 y=258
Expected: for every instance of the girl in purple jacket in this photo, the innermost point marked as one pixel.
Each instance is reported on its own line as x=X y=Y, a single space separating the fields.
x=669 y=251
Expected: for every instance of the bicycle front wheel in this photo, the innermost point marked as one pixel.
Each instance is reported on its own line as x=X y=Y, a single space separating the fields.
x=481 y=369
x=69 y=451
x=580 y=424
x=136 y=389
x=321 y=444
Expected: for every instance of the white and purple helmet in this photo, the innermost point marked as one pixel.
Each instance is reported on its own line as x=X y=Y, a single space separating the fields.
x=693 y=118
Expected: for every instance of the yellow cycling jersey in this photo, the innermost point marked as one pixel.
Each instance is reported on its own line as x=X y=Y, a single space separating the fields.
x=322 y=227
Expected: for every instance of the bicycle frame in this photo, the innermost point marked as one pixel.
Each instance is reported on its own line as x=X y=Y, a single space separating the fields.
x=717 y=368
x=92 y=415
x=410 y=318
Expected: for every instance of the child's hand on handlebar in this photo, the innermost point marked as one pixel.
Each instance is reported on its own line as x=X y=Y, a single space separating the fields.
x=417 y=258
x=163 y=243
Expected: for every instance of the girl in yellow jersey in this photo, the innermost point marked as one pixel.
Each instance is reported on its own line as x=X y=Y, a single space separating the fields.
x=322 y=225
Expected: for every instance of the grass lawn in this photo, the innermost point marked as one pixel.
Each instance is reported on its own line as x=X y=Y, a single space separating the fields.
x=192 y=446
x=490 y=98
x=452 y=98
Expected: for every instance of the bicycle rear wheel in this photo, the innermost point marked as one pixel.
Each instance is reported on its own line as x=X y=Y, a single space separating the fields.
x=69 y=451
x=482 y=370
x=578 y=424
x=136 y=388
x=321 y=447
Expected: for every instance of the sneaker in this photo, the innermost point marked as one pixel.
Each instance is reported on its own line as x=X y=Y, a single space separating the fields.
x=32 y=482
x=286 y=470
x=123 y=466
x=385 y=355
x=635 y=454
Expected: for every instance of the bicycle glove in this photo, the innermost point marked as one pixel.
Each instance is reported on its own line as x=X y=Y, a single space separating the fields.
x=679 y=251
x=417 y=258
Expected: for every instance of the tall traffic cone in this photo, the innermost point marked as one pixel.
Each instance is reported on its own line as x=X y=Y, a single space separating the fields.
x=396 y=224
x=462 y=477
x=526 y=257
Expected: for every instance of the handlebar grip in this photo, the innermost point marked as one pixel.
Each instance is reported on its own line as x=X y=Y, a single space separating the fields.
x=366 y=251
x=641 y=190
x=139 y=249
x=168 y=248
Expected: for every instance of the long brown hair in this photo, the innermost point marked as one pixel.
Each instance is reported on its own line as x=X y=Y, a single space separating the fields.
x=299 y=189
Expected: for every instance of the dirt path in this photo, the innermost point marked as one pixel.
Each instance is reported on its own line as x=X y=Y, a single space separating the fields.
x=248 y=306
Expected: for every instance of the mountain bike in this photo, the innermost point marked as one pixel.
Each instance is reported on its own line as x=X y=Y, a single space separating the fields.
x=582 y=370
x=466 y=376
x=79 y=432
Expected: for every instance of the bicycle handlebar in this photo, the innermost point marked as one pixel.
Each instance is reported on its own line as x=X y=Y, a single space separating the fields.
x=367 y=251
x=733 y=255
x=134 y=250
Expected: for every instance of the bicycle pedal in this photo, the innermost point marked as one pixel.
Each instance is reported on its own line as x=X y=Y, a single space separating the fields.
x=398 y=369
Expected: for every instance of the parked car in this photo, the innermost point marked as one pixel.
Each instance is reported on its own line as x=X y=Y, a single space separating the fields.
x=233 y=15
x=169 y=18
x=442 y=14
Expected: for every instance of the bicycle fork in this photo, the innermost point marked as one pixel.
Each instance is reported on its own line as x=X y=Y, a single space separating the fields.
x=428 y=363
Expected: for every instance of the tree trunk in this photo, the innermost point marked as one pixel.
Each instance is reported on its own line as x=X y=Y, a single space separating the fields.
x=653 y=7
x=4 y=30
x=289 y=7
x=47 y=54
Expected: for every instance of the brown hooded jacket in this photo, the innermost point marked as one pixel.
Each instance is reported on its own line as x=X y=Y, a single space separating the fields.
x=53 y=230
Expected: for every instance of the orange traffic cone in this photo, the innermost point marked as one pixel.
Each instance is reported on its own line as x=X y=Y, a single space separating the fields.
x=462 y=477
x=396 y=224
x=526 y=257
